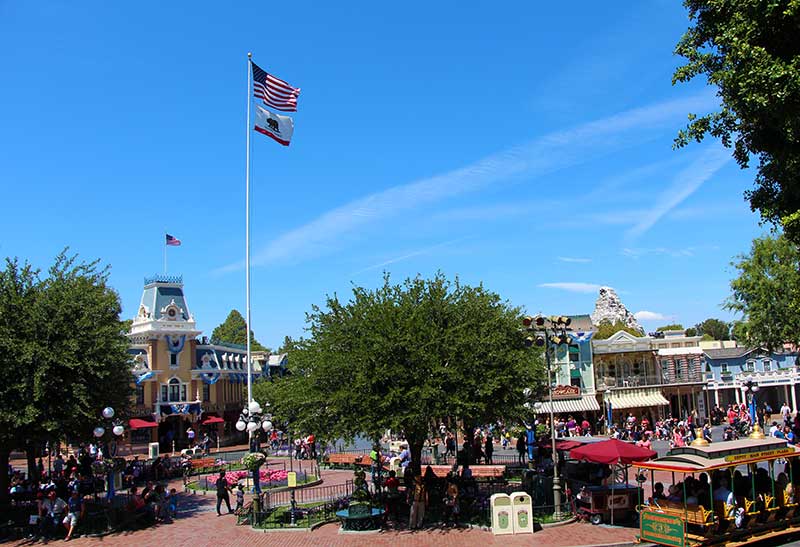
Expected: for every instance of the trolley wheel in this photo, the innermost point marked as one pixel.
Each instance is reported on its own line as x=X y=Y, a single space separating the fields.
x=595 y=519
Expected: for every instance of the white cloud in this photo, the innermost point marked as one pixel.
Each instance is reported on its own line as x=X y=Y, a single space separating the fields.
x=408 y=255
x=692 y=250
x=572 y=287
x=574 y=260
x=685 y=183
x=645 y=315
x=664 y=251
x=538 y=157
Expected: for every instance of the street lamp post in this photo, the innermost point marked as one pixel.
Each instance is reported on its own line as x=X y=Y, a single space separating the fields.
x=750 y=386
x=252 y=419
x=549 y=333
x=117 y=429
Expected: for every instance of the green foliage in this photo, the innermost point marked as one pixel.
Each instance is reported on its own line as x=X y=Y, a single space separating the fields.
x=707 y=338
x=739 y=331
x=749 y=50
x=287 y=346
x=717 y=329
x=233 y=330
x=767 y=293
x=403 y=357
x=691 y=331
x=62 y=351
x=606 y=329
x=675 y=326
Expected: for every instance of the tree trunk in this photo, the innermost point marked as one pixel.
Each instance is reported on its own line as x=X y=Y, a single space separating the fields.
x=469 y=437
x=415 y=445
x=4 y=481
x=30 y=455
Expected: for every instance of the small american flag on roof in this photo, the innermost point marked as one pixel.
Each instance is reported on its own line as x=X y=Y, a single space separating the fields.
x=174 y=241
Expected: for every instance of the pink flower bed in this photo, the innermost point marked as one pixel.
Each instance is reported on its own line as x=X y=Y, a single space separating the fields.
x=266 y=475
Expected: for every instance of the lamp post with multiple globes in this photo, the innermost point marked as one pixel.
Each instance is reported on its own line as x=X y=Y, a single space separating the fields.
x=253 y=419
x=116 y=428
x=750 y=387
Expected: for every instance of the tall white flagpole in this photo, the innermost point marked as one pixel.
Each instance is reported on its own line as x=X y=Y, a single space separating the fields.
x=164 y=243
x=247 y=228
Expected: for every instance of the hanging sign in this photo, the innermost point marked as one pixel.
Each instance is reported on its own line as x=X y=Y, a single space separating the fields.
x=566 y=392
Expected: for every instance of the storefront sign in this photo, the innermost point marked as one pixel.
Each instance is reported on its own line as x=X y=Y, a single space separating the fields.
x=566 y=392
x=662 y=529
x=764 y=454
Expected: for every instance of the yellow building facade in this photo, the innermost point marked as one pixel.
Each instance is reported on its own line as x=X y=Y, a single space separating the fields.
x=182 y=381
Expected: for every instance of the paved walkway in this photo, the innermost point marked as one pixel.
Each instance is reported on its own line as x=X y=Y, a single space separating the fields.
x=200 y=526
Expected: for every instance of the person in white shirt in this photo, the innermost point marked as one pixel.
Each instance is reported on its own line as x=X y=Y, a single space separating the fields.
x=773 y=428
x=786 y=412
x=51 y=512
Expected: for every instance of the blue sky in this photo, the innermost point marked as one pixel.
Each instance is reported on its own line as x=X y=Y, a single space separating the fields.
x=528 y=148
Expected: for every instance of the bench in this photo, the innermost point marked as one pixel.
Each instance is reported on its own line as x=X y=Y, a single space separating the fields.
x=788 y=509
x=345 y=460
x=491 y=472
x=693 y=514
x=204 y=463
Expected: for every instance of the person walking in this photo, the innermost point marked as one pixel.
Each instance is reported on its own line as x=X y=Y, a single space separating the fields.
x=222 y=493
x=522 y=447
x=488 y=449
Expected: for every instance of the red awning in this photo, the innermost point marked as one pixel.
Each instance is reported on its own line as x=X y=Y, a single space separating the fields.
x=612 y=452
x=213 y=420
x=137 y=423
x=560 y=444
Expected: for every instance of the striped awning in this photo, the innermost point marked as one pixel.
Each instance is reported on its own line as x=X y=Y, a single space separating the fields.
x=586 y=403
x=636 y=398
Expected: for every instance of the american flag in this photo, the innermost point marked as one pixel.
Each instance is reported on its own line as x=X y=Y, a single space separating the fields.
x=174 y=241
x=273 y=91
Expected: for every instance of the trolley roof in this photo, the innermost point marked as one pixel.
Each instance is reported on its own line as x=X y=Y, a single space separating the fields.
x=720 y=455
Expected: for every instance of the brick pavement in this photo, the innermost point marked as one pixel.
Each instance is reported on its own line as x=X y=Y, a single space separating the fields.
x=198 y=525
x=205 y=529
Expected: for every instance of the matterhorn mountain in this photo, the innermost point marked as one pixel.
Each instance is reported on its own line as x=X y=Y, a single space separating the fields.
x=610 y=308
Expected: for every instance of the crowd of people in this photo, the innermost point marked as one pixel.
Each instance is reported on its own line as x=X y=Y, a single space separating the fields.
x=58 y=495
x=728 y=490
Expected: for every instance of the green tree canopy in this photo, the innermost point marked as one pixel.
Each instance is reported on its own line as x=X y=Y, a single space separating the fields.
x=403 y=357
x=607 y=329
x=63 y=352
x=717 y=329
x=749 y=50
x=767 y=293
x=675 y=326
x=233 y=330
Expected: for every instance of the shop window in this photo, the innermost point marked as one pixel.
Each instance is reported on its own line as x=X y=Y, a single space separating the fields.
x=767 y=365
x=206 y=392
x=140 y=394
x=750 y=366
x=164 y=393
x=173 y=359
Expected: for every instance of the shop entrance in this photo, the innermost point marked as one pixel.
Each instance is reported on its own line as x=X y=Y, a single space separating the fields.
x=172 y=429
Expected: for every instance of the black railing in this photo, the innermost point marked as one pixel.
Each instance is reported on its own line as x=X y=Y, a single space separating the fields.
x=315 y=494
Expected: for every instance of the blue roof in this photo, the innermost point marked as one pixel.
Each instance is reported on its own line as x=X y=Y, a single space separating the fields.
x=160 y=294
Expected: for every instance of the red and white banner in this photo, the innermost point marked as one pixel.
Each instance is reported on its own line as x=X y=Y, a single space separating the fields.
x=274 y=126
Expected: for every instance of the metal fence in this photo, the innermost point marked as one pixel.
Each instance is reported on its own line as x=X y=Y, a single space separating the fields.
x=316 y=494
